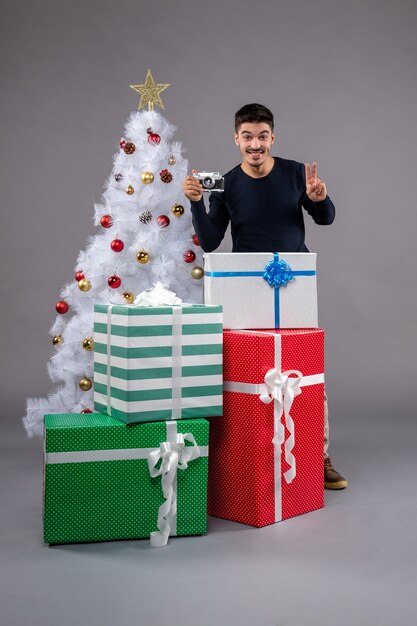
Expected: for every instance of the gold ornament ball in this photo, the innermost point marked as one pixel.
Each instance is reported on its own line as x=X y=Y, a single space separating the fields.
x=85 y=384
x=129 y=190
x=88 y=344
x=142 y=256
x=178 y=210
x=57 y=340
x=128 y=297
x=147 y=178
x=84 y=285
x=197 y=272
x=172 y=160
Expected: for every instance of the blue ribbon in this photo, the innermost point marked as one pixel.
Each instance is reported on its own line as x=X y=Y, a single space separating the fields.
x=277 y=273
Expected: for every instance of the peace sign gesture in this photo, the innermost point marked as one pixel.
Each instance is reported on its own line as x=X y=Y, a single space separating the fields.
x=315 y=188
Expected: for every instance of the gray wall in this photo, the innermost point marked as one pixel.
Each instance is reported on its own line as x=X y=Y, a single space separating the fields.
x=340 y=78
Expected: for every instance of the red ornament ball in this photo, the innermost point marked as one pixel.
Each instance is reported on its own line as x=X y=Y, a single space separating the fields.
x=79 y=276
x=86 y=411
x=62 y=307
x=163 y=221
x=117 y=245
x=154 y=139
x=106 y=221
x=195 y=240
x=114 y=281
x=189 y=256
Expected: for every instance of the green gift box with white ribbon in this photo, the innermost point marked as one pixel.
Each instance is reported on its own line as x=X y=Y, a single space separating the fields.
x=158 y=363
x=105 y=480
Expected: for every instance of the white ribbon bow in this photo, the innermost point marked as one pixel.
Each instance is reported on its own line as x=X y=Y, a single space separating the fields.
x=282 y=389
x=173 y=455
x=159 y=295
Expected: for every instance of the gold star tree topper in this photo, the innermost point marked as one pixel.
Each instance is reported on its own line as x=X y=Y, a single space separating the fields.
x=150 y=92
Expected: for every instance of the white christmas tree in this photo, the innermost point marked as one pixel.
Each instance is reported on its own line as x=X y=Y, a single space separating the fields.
x=145 y=236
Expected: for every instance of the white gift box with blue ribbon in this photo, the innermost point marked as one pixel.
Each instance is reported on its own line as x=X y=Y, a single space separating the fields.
x=263 y=289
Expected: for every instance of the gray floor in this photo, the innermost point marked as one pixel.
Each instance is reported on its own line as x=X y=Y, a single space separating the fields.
x=352 y=563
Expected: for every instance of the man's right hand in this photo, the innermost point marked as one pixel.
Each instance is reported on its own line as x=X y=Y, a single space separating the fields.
x=192 y=188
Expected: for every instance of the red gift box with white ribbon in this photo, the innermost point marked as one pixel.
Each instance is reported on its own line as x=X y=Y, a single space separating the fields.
x=266 y=452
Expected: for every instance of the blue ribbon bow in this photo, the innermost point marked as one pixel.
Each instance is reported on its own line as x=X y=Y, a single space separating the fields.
x=278 y=273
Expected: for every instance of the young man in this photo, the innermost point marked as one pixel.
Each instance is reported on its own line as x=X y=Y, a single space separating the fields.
x=263 y=200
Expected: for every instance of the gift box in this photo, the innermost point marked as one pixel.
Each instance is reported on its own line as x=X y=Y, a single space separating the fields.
x=263 y=290
x=267 y=451
x=158 y=363
x=105 y=480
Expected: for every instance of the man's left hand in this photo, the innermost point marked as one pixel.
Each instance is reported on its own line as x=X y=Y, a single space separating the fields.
x=315 y=188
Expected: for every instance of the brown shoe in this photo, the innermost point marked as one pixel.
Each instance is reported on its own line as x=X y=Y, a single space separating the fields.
x=332 y=479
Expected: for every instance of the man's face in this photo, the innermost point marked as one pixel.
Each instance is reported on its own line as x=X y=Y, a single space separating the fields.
x=254 y=142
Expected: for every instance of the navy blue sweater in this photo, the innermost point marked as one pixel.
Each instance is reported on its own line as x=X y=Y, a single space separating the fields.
x=265 y=213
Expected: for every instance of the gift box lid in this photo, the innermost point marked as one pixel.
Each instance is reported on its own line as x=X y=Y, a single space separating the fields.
x=96 y=431
x=134 y=309
x=247 y=261
x=249 y=354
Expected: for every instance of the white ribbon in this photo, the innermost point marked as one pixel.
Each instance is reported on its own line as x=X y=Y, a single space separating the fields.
x=176 y=363
x=281 y=389
x=108 y=359
x=174 y=455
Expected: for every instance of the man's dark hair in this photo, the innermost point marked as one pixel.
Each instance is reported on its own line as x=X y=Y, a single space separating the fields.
x=253 y=113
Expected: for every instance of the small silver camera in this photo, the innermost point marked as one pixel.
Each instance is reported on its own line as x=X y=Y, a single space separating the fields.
x=211 y=181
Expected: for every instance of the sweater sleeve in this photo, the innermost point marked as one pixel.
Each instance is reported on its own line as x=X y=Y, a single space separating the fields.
x=210 y=227
x=322 y=212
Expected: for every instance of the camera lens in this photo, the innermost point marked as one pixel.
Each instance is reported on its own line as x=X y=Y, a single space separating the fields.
x=208 y=183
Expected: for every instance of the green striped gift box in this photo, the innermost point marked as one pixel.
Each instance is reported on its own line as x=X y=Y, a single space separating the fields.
x=158 y=363
x=97 y=483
